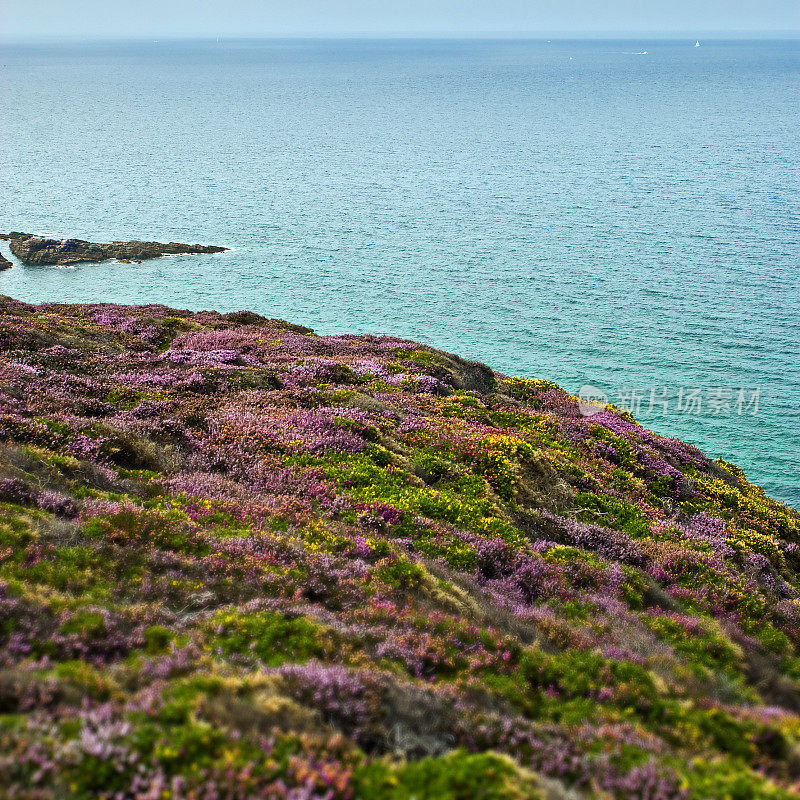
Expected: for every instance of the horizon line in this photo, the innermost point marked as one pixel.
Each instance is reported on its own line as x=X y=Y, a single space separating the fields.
x=717 y=35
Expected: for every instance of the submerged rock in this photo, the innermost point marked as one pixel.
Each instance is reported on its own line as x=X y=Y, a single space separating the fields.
x=40 y=251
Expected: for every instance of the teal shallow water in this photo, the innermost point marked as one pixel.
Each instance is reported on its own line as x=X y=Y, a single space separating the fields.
x=567 y=210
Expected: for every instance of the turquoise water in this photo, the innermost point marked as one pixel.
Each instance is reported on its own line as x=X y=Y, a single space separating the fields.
x=568 y=210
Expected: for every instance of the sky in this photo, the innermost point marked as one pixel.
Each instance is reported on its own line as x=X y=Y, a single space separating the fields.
x=22 y=19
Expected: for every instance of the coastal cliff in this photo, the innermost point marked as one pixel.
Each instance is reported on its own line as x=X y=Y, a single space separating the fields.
x=41 y=251
x=241 y=560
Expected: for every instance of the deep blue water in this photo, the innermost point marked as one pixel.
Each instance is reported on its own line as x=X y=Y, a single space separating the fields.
x=567 y=210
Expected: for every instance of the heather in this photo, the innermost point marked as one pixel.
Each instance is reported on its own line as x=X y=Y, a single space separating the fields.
x=240 y=560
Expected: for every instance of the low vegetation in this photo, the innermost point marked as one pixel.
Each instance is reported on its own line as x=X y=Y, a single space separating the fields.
x=239 y=560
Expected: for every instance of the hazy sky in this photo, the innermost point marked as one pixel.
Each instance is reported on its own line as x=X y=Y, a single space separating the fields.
x=93 y=18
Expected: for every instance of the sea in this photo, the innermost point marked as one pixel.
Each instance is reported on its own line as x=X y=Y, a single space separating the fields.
x=619 y=217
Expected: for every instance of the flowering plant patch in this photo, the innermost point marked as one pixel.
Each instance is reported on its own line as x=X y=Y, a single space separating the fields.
x=240 y=560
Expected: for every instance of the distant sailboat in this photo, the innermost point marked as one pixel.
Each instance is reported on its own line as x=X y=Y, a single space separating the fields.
x=697 y=43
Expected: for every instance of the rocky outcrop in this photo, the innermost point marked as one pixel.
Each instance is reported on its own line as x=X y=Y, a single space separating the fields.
x=4 y=262
x=40 y=251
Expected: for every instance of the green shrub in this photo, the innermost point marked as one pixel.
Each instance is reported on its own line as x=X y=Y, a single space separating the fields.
x=156 y=639
x=270 y=636
x=399 y=572
x=456 y=776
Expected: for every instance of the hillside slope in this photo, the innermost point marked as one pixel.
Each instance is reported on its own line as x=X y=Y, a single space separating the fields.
x=239 y=560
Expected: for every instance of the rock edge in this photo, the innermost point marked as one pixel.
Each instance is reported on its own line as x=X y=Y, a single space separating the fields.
x=41 y=251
